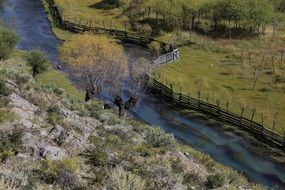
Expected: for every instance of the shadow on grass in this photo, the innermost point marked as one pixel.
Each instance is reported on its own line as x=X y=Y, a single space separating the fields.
x=106 y=5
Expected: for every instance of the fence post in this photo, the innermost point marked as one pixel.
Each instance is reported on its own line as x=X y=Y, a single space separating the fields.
x=188 y=99
x=227 y=105
x=218 y=106
x=180 y=97
x=284 y=139
x=171 y=88
x=241 y=116
x=252 y=116
x=199 y=95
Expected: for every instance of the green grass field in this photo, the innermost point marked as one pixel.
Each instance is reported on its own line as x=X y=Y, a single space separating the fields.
x=59 y=79
x=214 y=69
x=80 y=9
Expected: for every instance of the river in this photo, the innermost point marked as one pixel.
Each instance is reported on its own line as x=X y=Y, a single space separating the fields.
x=30 y=21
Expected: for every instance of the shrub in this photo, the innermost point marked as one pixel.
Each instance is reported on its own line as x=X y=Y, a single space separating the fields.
x=8 y=41
x=100 y=175
x=22 y=79
x=38 y=61
x=6 y=115
x=157 y=138
x=4 y=102
x=3 y=88
x=66 y=179
x=215 y=181
x=143 y=29
x=162 y=179
x=10 y=143
x=176 y=165
x=12 y=180
x=54 y=116
x=191 y=178
x=98 y=157
x=233 y=176
x=143 y=150
x=124 y=180
x=155 y=47
x=58 y=170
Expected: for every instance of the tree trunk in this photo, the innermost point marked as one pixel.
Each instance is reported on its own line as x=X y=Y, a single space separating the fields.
x=156 y=19
x=87 y=95
x=230 y=30
x=119 y=102
x=193 y=23
x=34 y=73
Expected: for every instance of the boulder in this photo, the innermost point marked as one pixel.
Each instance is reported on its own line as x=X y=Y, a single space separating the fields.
x=52 y=153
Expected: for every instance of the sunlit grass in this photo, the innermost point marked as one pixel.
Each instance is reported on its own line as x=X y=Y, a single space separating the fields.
x=60 y=80
x=229 y=82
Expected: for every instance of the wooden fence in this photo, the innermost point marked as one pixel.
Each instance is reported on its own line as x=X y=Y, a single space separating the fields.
x=187 y=102
x=167 y=58
x=165 y=92
x=80 y=26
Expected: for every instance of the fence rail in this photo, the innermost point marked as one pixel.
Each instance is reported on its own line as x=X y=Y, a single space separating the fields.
x=157 y=88
x=167 y=58
x=81 y=26
x=187 y=102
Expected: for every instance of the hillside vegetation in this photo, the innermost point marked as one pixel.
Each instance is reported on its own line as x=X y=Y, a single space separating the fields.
x=232 y=51
x=50 y=138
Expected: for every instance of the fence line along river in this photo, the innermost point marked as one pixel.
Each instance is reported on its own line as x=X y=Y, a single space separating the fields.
x=29 y=19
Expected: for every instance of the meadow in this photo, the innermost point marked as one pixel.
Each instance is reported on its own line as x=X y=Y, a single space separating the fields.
x=244 y=72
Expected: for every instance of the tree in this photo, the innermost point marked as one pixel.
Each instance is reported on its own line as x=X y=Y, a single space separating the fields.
x=102 y=64
x=8 y=41
x=38 y=60
x=96 y=58
x=205 y=27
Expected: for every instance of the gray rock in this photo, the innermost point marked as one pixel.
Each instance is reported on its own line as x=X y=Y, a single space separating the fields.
x=179 y=186
x=27 y=124
x=56 y=132
x=52 y=153
x=22 y=107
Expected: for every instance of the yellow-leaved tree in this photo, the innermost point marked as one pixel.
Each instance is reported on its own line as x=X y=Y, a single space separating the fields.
x=103 y=65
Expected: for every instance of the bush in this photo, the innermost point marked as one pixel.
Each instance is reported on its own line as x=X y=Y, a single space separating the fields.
x=191 y=178
x=8 y=41
x=22 y=79
x=155 y=47
x=12 y=180
x=162 y=179
x=97 y=157
x=157 y=138
x=215 y=181
x=38 y=60
x=143 y=29
x=10 y=143
x=124 y=180
x=6 y=115
x=4 y=102
x=59 y=171
x=54 y=116
x=3 y=88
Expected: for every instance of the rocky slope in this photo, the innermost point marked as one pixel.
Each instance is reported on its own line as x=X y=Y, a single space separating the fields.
x=51 y=141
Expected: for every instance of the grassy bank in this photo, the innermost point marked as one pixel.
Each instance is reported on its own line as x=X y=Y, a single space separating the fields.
x=87 y=11
x=44 y=90
x=214 y=69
